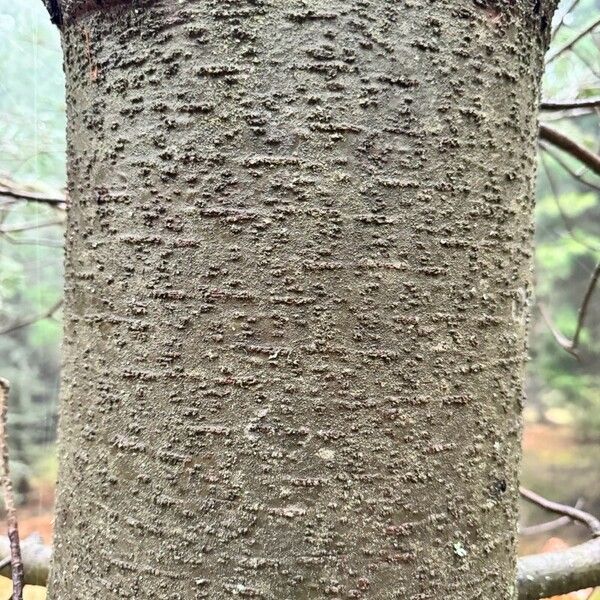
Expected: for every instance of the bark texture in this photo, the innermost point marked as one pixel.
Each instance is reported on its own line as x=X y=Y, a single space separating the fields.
x=298 y=263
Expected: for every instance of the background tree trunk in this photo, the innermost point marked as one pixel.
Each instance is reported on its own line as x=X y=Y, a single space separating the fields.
x=297 y=280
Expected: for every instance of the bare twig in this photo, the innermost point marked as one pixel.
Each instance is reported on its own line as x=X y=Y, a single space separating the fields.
x=9 y=500
x=568 y=169
x=561 y=340
x=30 y=226
x=9 y=189
x=567 y=115
x=552 y=105
x=560 y=51
x=548 y=526
x=562 y=572
x=565 y=143
x=592 y=68
x=8 y=231
x=576 y=514
x=571 y=230
x=584 y=305
x=566 y=220
x=33 y=319
x=36 y=559
x=555 y=573
x=571 y=345
x=47 y=243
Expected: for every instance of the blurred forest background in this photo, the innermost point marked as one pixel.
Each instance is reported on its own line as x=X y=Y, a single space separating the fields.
x=562 y=434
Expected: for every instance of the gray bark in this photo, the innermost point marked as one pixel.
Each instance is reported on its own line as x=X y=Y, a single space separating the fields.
x=297 y=283
x=545 y=575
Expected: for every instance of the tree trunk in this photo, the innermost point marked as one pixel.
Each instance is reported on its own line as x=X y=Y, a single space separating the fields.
x=297 y=280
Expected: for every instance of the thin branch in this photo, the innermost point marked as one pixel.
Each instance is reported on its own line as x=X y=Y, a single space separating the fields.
x=571 y=345
x=16 y=562
x=561 y=340
x=556 y=573
x=590 y=66
x=565 y=143
x=30 y=226
x=31 y=242
x=548 y=526
x=36 y=559
x=568 y=169
x=560 y=51
x=552 y=105
x=7 y=232
x=585 y=304
x=570 y=229
x=566 y=220
x=11 y=190
x=556 y=117
x=576 y=514
x=32 y=319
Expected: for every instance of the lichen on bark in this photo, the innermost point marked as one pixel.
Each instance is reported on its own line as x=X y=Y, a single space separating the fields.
x=297 y=284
